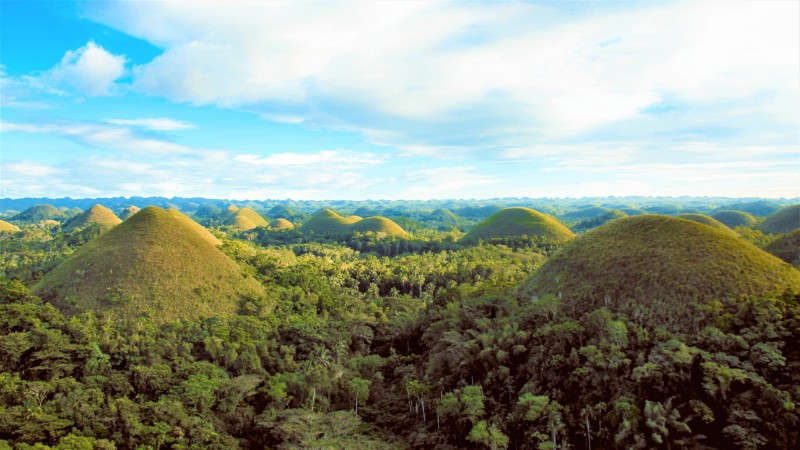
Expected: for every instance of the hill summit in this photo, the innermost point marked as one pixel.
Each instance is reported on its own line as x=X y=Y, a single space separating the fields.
x=518 y=221
x=246 y=219
x=657 y=268
x=96 y=215
x=40 y=212
x=153 y=264
x=129 y=211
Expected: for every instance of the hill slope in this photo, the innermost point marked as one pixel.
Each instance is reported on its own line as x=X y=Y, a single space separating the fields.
x=707 y=220
x=783 y=221
x=658 y=265
x=153 y=264
x=96 y=215
x=787 y=248
x=40 y=212
x=246 y=219
x=6 y=227
x=733 y=219
x=198 y=229
x=517 y=221
x=128 y=212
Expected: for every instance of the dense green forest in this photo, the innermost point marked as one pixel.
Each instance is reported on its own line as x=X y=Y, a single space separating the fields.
x=368 y=339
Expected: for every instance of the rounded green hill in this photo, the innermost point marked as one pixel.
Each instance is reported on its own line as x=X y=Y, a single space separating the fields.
x=733 y=219
x=658 y=267
x=40 y=212
x=707 y=220
x=517 y=221
x=6 y=227
x=586 y=213
x=283 y=224
x=787 y=247
x=153 y=264
x=783 y=221
x=128 y=212
x=443 y=215
x=378 y=224
x=608 y=216
x=96 y=215
x=246 y=219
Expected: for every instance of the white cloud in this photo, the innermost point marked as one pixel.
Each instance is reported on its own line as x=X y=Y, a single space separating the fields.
x=445 y=182
x=447 y=77
x=89 y=70
x=158 y=123
x=107 y=137
x=338 y=158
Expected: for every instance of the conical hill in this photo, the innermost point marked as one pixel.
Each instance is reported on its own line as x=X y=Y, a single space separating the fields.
x=783 y=221
x=246 y=219
x=733 y=219
x=516 y=222
x=128 y=212
x=787 y=247
x=6 y=227
x=707 y=220
x=378 y=224
x=96 y=215
x=40 y=212
x=658 y=266
x=153 y=264
x=283 y=224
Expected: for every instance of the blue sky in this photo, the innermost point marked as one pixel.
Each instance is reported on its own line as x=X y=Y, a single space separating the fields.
x=399 y=100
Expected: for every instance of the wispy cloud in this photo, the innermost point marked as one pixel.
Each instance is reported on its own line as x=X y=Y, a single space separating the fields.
x=100 y=135
x=158 y=123
x=445 y=182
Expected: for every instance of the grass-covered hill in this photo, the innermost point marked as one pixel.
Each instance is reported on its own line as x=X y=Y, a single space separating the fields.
x=283 y=224
x=733 y=219
x=96 y=215
x=328 y=222
x=6 y=227
x=208 y=212
x=595 y=222
x=633 y=211
x=198 y=229
x=364 y=211
x=517 y=221
x=443 y=215
x=378 y=224
x=585 y=213
x=153 y=264
x=657 y=267
x=757 y=208
x=708 y=220
x=246 y=219
x=40 y=212
x=787 y=248
x=282 y=211
x=783 y=221
x=128 y=212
